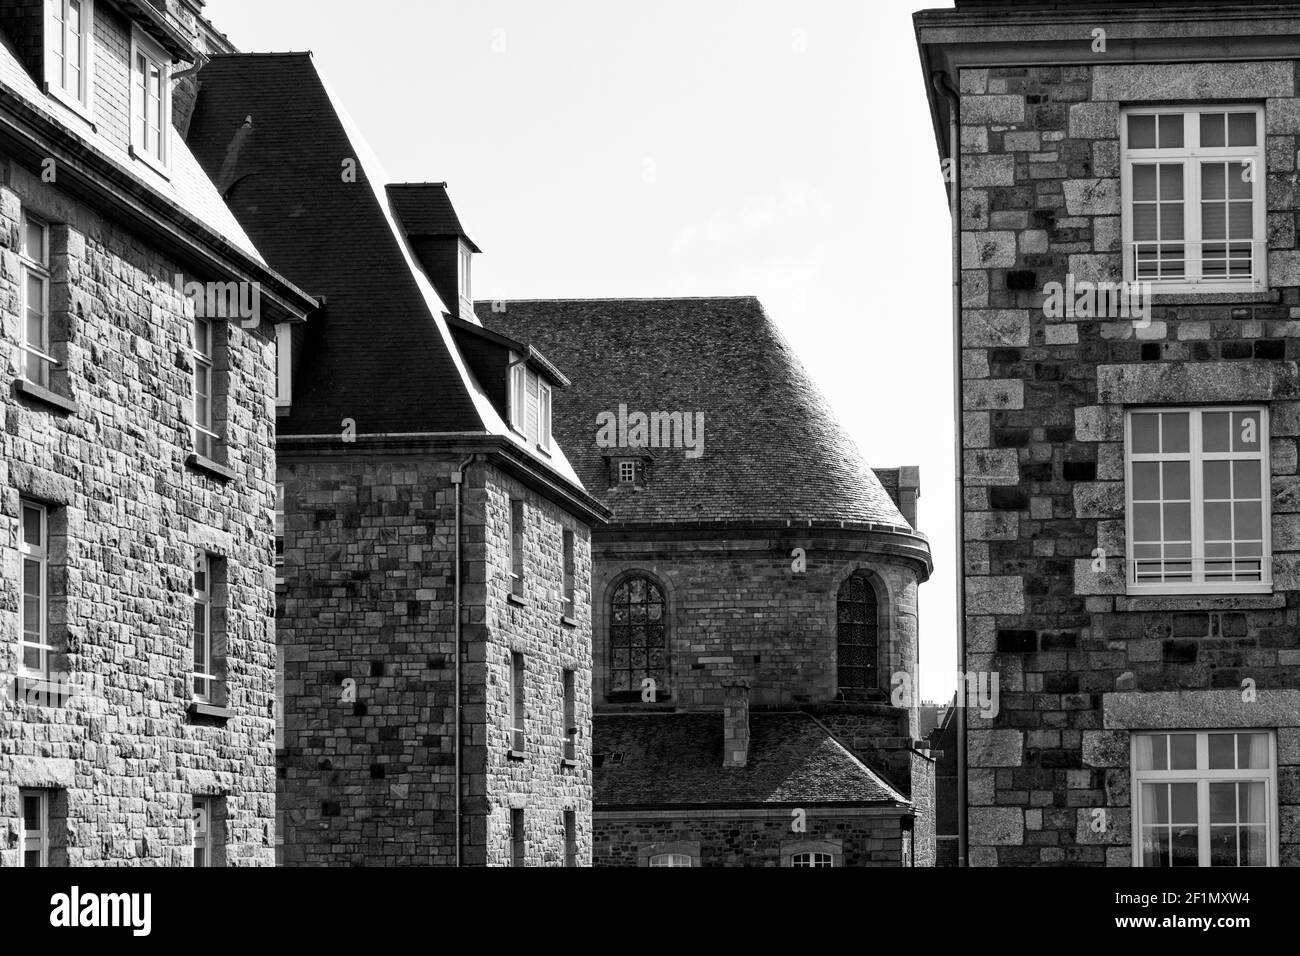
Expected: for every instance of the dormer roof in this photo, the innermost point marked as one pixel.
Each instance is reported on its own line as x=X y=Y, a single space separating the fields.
x=425 y=211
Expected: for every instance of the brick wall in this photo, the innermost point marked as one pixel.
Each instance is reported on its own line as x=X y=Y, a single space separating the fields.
x=1043 y=439
x=128 y=518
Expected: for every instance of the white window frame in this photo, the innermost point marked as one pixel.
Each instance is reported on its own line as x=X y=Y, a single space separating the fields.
x=671 y=859
x=1197 y=457
x=38 y=554
x=812 y=858
x=568 y=595
x=203 y=678
x=518 y=520
x=1203 y=779
x=518 y=394
x=37 y=265
x=543 y=415
x=283 y=365
x=569 y=689
x=41 y=837
x=206 y=439
x=155 y=55
x=464 y=273
x=202 y=813
x=1191 y=157
x=82 y=101
x=818 y=853
x=518 y=684
x=624 y=466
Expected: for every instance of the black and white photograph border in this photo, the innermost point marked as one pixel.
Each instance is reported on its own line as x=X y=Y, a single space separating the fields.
x=513 y=508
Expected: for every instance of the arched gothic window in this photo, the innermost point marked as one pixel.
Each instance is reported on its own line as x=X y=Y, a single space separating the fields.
x=857 y=635
x=638 y=636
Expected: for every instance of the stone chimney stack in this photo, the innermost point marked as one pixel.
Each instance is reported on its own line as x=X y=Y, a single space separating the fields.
x=735 y=724
x=909 y=489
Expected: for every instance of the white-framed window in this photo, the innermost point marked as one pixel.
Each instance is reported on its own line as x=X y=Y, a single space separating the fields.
x=35 y=838
x=569 y=595
x=812 y=859
x=283 y=365
x=570 y=716
x=517 y=547
x=1193 y=197
x=203 y=676
x=34 y=264
x=1198 y=500
x=279 y=532
x=34 y=550
x=671 y=859
x=517 y=702
x=627 y=472
x=463 y=273
x=205 y=439
x=150 y=102
x=69 y=51
x=543 y=416
x=518 y=395
x=203 y=827
x=1205 y=798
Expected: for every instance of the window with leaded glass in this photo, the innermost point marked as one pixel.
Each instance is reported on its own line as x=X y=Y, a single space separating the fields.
x=1204 y=798
x=638 y=634
x=857 y=632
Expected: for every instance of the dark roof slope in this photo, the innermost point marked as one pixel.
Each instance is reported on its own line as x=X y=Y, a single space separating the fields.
x=676 y=760
x=269 y=134
x=773 y=449
x=426 y=210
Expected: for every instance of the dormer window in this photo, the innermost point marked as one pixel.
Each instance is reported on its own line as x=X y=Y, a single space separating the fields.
x=150 y=102
x=283 y=365
x=68 y=45
x=530 y=404
x=627 y=472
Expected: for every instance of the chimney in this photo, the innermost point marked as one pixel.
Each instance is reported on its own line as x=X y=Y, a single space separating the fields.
x=735 y=724
x=909 y=489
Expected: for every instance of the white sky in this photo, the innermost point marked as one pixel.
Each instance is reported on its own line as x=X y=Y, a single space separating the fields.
x=685 y=148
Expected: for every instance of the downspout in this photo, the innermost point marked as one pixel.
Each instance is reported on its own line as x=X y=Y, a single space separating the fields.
x=945 y=89
x=457 y=479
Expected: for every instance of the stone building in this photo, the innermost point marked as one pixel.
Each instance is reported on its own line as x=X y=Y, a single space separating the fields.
x=426 y=507
x=136 y=461
x=755 y=595
x=1128 y=470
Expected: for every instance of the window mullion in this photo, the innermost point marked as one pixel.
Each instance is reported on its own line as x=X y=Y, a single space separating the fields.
x=1196 y=444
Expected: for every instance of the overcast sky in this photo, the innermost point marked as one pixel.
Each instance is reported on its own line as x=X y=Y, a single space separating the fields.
x=777 y=148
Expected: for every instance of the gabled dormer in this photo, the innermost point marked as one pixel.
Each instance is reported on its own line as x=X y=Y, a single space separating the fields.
x=444 y=250
x=518 y=379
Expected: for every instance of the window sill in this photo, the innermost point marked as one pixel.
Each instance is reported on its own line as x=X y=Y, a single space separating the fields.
x=44 y=396
x=517 y=600
x=162 y=169
x=1244 y=297
x=568 y=621
x=210 y=467
x=568 y=763
x=1199 y=602
x=516 y=755
x=203 y=711
x=70 y=102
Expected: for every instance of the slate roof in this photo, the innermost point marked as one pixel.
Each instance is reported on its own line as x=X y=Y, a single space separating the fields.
x=675 y=760
x=187 y=186
x=425 y=209
x=773 y=450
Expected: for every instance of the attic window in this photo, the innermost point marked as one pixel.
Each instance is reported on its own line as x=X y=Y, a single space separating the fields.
x=283 y=365
x=530 y=404
x=69 y=39
x=150 y=102
x=466 y=259
x=627 y=472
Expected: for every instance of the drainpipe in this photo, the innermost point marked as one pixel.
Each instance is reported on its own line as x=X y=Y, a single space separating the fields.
x=457 y=479
x=945 y=89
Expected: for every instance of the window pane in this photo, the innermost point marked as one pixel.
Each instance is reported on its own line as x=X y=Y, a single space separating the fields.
x=1212 y=181
x=1182 y=756
x=1178 y=522
x=31 y=812
x=1223 y=750
x=1252 y=752
x=1218 y=475
x=1245 y=431
x=1146 y=435
x=32 y=527
x=1239 y=184
x=1171 y=131
x=1223 y=802
x=1214 y=429
x=1146 y=480
x=1248 y=520
x=1212 y=129
x=1171 y=182
x=1176 y=430
x=1142 y=132
x=1241 y=129
x=1177 y=480
x=1218 y=521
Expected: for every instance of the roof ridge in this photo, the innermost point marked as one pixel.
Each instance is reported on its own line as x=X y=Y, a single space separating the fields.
x=240 y=53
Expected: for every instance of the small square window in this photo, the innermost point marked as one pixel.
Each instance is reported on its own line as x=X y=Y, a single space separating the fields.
x=626 y=472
